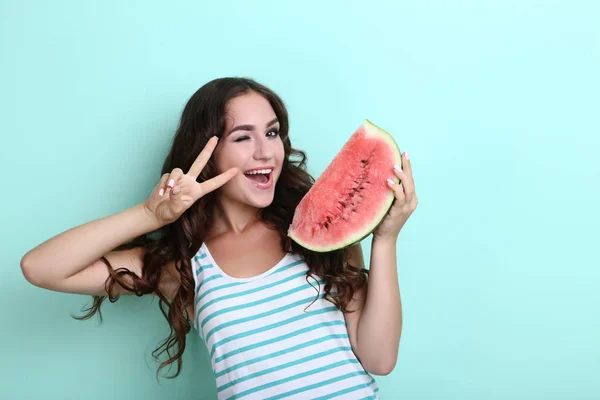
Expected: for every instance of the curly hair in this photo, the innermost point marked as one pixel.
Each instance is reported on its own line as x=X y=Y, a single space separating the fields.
x=204 y=117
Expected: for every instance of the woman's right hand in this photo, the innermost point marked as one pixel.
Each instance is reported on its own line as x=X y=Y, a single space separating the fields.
x=176 y=191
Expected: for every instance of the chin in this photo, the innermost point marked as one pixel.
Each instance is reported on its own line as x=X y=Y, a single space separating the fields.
x=263 y=200
x=261 y=205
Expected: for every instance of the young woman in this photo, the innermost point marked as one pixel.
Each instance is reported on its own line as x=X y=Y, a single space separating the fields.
x=279 y=321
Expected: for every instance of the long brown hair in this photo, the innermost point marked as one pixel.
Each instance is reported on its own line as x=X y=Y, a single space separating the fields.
x=178 y=242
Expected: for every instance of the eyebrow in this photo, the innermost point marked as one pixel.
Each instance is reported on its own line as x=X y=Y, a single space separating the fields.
x=251 y=127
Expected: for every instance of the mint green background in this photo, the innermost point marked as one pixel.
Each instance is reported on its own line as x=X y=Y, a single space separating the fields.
x=496 y=101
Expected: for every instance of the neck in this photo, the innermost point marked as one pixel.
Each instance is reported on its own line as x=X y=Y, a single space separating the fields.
x=233 y=217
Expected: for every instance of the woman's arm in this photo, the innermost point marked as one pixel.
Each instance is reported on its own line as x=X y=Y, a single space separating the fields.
x=376 y=325
x=70 y=261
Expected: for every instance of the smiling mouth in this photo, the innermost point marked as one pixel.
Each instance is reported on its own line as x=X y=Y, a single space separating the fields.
x=260 y=178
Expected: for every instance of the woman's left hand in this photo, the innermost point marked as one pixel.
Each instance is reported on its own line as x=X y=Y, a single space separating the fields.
x=405 y=202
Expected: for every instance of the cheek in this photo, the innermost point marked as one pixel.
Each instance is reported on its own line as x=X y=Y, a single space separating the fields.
x=225 y=157
x=217 y=160
x=280 y=152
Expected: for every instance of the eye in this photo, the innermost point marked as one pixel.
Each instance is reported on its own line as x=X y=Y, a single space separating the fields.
x=241 y=138
x=273 y=132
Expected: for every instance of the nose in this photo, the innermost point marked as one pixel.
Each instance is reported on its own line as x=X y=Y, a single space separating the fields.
x=263 y=149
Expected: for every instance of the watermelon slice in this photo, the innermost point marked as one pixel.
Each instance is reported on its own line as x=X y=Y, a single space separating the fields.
x=351 y=197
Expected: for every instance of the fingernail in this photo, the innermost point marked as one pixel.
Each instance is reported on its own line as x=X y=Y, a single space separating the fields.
x=171 y=183
x=406 y=155
x=161 y=192
x=391 y=182
x=397 y=168
x=177 y=190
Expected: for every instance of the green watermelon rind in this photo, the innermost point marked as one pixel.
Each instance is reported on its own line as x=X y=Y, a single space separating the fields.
x=371 y=130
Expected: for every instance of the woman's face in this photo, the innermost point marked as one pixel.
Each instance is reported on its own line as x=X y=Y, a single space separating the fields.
x=251 y=143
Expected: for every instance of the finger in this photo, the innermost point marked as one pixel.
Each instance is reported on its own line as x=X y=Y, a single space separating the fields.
x=398 y=191
x=174 y=178
x=216 y=182
x=162 y=183
x=203 y=158
x=406 y=180
x=407 y=167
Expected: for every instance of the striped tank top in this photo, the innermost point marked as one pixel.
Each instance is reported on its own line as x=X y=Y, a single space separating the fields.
x=271 y=337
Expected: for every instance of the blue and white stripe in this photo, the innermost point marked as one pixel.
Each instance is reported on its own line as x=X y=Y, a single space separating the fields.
x=274 y=336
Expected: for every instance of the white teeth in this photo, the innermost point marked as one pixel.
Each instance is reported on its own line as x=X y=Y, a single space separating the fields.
x=259 y=171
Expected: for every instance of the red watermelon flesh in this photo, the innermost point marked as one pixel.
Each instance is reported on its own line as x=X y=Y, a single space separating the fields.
x=351 y=197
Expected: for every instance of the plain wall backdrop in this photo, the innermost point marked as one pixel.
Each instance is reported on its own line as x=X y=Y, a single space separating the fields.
x=496 y=101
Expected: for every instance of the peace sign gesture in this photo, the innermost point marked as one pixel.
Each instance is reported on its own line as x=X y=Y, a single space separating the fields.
x=176 y=191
